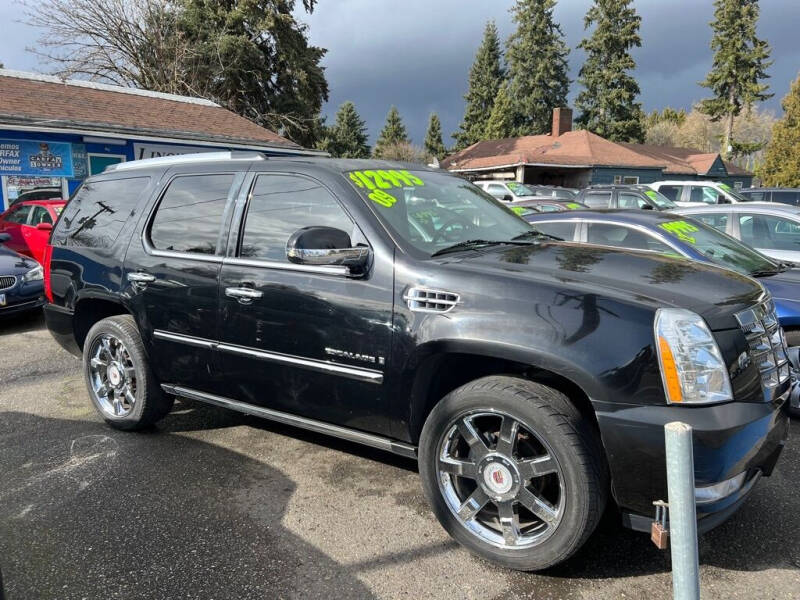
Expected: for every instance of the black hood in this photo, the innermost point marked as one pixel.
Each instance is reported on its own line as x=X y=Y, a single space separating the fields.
x=643 y=277
x=13 y=263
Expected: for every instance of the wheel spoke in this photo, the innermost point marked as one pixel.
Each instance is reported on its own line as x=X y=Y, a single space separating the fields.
x=105 y=344
x=507 y=436
x=117 y=404
x=538 y=506
x=509 y=521
x=130 y=373
x=103 y=390
x=462 y=468
x=537 y=467
x=129 y=397
x=98 y=362
x=476 y=445
x=473 y=505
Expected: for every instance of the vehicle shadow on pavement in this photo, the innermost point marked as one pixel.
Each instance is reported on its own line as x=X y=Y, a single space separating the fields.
x=22 y=323
x=90 y=512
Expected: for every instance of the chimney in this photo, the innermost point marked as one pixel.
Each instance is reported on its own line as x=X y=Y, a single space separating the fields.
x=562 y=121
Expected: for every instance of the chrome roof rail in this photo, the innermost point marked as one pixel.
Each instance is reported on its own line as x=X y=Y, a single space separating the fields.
x=186 y=159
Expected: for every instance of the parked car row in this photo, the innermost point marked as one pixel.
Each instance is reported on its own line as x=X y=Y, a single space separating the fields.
x=530 y=377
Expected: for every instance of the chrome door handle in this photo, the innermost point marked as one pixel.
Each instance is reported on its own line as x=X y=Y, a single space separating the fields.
x=242 y=294
x=139 y=277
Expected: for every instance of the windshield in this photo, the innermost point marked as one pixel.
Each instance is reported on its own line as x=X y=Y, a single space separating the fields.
x=431 y=211
x=720 y=248
x=660 y=200
x=520 y=189
x=731 y=192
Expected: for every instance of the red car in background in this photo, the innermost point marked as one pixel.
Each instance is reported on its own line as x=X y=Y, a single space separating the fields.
x=29 y=224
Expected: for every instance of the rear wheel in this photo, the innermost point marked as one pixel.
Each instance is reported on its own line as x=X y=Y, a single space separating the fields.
x=513 y=472
x=118 y=377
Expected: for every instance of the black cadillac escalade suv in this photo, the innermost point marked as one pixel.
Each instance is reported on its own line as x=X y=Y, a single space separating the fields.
x=404 y=308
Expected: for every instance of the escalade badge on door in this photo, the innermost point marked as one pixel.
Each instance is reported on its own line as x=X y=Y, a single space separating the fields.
x=376 y=360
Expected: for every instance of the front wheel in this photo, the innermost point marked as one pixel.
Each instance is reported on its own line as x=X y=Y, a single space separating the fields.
x=513 y=472
x=118 y=377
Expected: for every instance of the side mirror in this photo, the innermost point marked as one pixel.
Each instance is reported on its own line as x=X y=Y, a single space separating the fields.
x=4 y=237
x=647 y=207
x=44 y=227
x=722 y=199
x=508 y=198
x=326 y=246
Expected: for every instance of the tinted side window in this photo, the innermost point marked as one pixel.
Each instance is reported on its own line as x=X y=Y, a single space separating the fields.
x=628 y=200
x=703 y=193
x=792 y=198
x=717 y=221
x=623 y=237
x=95 y=215
x=279 y=206
x=758 y=196
x=19 y=214
x=773 y=233
x=189 y=216
x=597 y=199
x=39 y=214
x=498 y=191
x=673 y=192
x=564 y=230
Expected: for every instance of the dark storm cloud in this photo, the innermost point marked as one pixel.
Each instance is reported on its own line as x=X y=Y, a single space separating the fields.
x=416 y=54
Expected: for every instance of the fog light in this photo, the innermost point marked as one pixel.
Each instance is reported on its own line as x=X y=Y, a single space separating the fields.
x=711 y=493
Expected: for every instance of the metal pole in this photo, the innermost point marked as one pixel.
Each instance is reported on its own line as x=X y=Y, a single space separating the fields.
x=682 y=511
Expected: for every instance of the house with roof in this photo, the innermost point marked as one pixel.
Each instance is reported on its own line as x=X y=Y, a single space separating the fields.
x=54 y=132
x=579 y=158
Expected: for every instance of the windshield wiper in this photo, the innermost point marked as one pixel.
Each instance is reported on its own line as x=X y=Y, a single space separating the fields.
x=764 y=272
x=467 y=245
x=535 y=233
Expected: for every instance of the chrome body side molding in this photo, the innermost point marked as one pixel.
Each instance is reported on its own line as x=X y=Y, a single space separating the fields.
x=357 y=373
x=345 y=433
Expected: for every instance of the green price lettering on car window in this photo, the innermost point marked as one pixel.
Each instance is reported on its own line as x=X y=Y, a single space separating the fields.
x=651 y=194
x=573 y=205
x=378 y=180
x=520 y=210
x=681 y=230
x=725 y=187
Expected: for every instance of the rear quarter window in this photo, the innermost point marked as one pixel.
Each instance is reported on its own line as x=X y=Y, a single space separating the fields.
x=94 y=217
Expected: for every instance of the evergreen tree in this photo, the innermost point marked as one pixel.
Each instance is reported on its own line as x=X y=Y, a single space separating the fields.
x=607 y=104
x=740 y=63
x=782 y=159
x=347 y=138
x=393 y=132
x=434 y=145
x=501 y=122
x=537 y=66
x=485 y=78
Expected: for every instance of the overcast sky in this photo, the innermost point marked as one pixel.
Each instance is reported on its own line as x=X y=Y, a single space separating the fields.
x=416 y=54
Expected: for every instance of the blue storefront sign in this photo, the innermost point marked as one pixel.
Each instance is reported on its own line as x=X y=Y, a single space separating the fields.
x=48 y=159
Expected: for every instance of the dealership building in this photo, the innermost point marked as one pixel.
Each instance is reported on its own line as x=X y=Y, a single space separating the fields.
x=579 y=158
x=54 y=133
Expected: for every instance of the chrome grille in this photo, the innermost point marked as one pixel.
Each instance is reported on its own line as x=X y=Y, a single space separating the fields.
x=435 y=301
x=766 y=342
x=7 y=281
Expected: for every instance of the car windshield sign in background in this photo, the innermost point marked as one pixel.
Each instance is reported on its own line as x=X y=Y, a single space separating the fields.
x=51 y=159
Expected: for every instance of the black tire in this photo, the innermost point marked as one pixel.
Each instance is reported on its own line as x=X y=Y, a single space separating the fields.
x=151 y=403
x=571 y=439
x=793 y=337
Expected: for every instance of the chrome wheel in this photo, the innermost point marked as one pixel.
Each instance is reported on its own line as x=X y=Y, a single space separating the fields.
x=112 y=376
x=500 y=479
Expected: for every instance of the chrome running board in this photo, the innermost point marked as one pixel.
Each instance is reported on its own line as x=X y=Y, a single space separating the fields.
x=352 y=435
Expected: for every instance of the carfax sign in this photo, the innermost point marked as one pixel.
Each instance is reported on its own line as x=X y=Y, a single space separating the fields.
x=25 y=157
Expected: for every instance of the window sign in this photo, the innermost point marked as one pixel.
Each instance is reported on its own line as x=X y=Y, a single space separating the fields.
x=80 y=168
x=35 y=158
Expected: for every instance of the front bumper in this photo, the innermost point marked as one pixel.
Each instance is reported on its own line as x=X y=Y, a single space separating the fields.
x=729 y=439
x=22 y=297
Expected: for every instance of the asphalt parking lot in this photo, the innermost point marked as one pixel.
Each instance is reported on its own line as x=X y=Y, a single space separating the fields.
x=213 y=504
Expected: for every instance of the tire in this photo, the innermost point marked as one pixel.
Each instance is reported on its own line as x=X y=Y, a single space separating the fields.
x=793 y=337
x=137 y=401
x=547 y=424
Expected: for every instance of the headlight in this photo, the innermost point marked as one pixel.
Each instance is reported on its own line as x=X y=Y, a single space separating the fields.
x=692 y=368
x=35 y=274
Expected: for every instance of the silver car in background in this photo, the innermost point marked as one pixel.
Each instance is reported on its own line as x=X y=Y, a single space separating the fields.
x=772 y=229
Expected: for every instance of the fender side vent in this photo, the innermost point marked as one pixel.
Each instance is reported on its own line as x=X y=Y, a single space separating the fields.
x=432 y=301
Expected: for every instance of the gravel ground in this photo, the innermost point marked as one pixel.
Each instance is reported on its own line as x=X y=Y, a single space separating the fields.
x=212 y=504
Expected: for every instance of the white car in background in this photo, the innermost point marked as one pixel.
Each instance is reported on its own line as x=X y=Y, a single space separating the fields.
x=696 y=193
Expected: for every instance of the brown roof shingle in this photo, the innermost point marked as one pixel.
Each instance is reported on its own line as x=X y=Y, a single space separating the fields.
x=29 y=98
